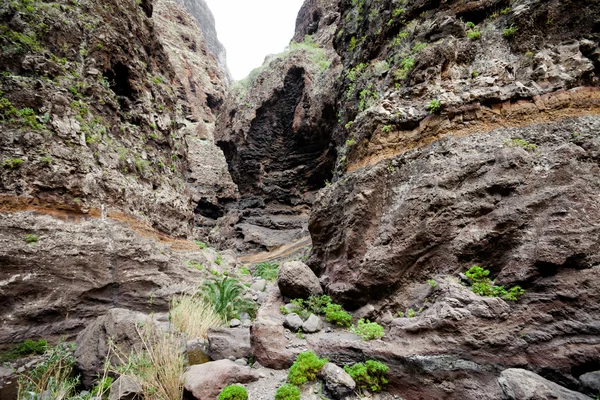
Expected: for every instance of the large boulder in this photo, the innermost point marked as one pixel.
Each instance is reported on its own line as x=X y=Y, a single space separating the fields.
x=313 y=324
x=338 y=382
x=206 y=381
x=296 y=280
x=520 y=384
x=120 y=326
x=225 y=343
x=591 y=381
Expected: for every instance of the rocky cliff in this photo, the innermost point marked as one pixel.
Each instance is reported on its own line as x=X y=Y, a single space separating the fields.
x=467 y=136
x=106 y=111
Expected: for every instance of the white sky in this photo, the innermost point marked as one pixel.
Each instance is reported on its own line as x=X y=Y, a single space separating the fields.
x=252 y=29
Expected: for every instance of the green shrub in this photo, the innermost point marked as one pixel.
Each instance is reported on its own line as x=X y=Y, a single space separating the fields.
x=287 y=392
x=352 y=44
x=201 y=245
x=387 y=128
x=305 y=368
x=434 y=106
x=335 y=313
x=267 y=270
x=510 y=32
x=410 y=313
x=24 y=349
x=12 y=163
x=406 y=65
x=482 y=285
x=372 y=375
x=432 y=282
x=233 y=392
x=225 y=295
x=473 y=34
x=418 y=47
x=470 y=25
x=368 y=330
x=31 y=238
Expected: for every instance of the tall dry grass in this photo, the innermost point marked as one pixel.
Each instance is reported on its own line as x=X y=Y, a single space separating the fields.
x=194 y=316
x=159 y=368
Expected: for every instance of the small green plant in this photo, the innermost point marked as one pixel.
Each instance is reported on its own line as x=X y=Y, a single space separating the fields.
x=510 y=32
x=352 y=44
x=482 y=285
x=372 y=375
x=158 y=79
x=470 y=25
x=12 y=163
x=266 y=270
x=505 y=11
x=419 y=47
x=434 y=106
x=31 y=238
x=521 y=143
x=410 y=313
x=350 y=142
x=201 y=245
x=225 y=295
x=233 y=392
x=368 y=330
x=284 y=310
x=24 y=349
x=244 y=271
x=474 y=74
x=387 y=128
x=473 y=34
x=432 y=282
x=219 y=259
x=287 y=392
x=305 y=368
x=335 y=313
x=300 y=334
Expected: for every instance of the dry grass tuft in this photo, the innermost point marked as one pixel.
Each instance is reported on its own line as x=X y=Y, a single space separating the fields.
x=194 y=316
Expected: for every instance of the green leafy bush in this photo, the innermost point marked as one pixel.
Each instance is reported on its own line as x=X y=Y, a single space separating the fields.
x=434 y=106
x=305 y=368
x=372 y=375
x=233 y=392
x=473 y=34
x=267 y=270
x=225 y=295
x=482 y=285
x=287 y=392
x=12 y=163
x=368 y=330
x=432 y=283
x=335 y=313
x=201 y=245
x=24 y=349
x=31 y=238
x=510 y=32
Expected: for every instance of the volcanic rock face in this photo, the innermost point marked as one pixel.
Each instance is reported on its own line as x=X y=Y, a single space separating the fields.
x=468 y=136
x=275 y=131
x=106 y=148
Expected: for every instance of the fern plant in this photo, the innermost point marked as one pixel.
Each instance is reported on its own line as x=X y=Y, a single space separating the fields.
x=225 y=295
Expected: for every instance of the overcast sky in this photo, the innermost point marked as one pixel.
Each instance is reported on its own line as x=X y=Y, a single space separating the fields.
x=252 y=29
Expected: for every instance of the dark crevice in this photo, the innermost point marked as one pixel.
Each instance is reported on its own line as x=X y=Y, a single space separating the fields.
x=118 y=76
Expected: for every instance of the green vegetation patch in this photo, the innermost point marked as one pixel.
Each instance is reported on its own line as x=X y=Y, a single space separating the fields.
x=482 y=285
x=368 y=330
x=287 y=392
x=28 y=347
x=233 y=392
x=305 y=368
x=372 y=375
x=266 y=270
x=225 y=295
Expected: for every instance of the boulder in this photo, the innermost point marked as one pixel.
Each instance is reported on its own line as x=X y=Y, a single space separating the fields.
x=118 y=325
x=206 y=381
x=520 y=384
x=125 y=388
x=297 y=280
x=293 y=322
x=259 y=285
x=338 y=382
x=224 y=343
x=313 y=324
x=591 y=381
x=269 y=344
